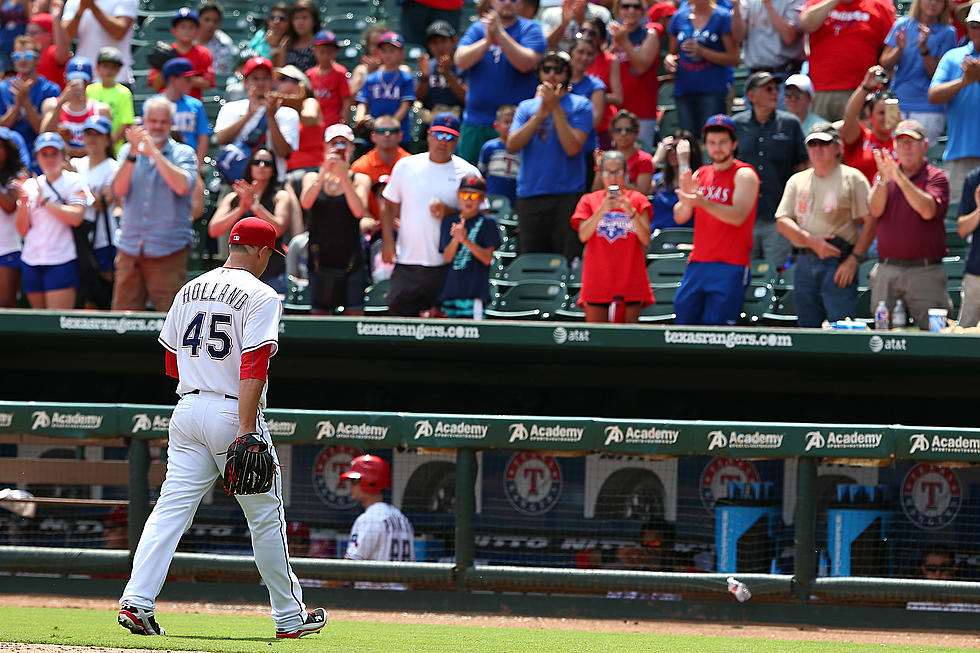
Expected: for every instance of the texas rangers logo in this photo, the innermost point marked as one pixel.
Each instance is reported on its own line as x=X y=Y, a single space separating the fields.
x=614 y=225
x=717 y=475
x=533 y=483
x=329 y=464
x=931 y=496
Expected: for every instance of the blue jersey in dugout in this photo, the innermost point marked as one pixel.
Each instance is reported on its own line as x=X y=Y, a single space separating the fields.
x=467 y=277
x=544 y=151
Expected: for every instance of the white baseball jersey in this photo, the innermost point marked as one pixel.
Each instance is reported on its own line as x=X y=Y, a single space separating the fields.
x=214 y=319
x=382 y=533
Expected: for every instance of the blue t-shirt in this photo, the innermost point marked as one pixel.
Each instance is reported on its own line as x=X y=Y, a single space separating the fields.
x=911 y=81
x=467 y=277
x=968 y=205
x=190 y=120
x=383 y=92
x=663 y=203
x=586 y=87
x=42 y=90
x=439 y=91
x=962 y=127
x=493 y=81
x=499 y=168
x=695 y=77
x=545 y=168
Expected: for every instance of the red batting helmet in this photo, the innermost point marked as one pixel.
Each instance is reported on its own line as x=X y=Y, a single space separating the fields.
x=373 y=473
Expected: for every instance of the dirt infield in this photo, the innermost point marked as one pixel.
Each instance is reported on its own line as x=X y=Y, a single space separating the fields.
x=952 y=640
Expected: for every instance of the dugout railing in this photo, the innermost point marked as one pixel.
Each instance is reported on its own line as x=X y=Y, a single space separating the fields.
x=465 y=436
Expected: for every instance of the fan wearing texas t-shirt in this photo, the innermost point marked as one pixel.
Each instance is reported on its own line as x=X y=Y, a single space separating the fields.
x=185 y=26
x=722 y=197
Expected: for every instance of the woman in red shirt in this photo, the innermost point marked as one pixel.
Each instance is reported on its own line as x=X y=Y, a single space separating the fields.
x=614 y=223
x=636 y=45
x=602 y=68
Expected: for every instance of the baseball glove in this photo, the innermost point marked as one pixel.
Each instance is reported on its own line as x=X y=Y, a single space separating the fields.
x=161 y=53
x=248 y=472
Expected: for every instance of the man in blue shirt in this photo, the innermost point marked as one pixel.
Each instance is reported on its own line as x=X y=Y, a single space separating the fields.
x=549 y=131
x=21 y=96
x=190 y=120
x=155 y=182
x=499 y=54
x=955 y=83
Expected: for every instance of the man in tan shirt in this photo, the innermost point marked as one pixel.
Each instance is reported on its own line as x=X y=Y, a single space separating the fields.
x=820 y=213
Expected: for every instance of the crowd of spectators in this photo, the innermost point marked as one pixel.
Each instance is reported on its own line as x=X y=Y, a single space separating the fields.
x=819 y=160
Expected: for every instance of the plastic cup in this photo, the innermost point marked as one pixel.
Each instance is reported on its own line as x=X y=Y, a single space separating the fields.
x=937 y=319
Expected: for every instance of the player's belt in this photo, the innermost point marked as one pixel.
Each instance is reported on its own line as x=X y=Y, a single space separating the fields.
x=197 y=392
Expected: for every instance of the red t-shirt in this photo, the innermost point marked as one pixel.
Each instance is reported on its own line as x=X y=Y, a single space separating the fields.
x=600 y=69
x=902 y=232
x=330 y=89
x=200 y=58
x=716 y=241
x=848 y=43
x=639 y=163
x=860 y=153
x=449 y=5
x=614 y=262
x=309 y=154
x=49 y=68
x=640 y=91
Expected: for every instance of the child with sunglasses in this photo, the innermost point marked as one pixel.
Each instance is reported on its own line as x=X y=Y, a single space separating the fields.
x=467 y=240
x=21 y=96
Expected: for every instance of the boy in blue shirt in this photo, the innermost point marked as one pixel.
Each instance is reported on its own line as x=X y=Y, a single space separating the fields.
x=499 y=166
x=467 y=240
x=389 y=90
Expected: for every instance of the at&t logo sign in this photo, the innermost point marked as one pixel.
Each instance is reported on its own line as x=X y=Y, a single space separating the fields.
x=533 y=483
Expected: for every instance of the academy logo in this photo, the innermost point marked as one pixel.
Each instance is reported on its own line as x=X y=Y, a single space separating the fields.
x=329 y=464
x=834 y=440
x=718 y=473
x=943 y=444
x=639 y=435
x=41 y=420
x=281 y=428
x=6 y=420
x=737 y=440
x=545 y=433
x=533 y=483
x=327 y=430
x=143 y=423
x=468 y=430
x=931 y=496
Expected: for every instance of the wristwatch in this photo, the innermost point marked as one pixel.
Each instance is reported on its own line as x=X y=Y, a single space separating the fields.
x=131 y=158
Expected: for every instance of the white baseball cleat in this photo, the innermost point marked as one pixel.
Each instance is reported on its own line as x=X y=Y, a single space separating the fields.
x=315 y=621
x=139 y=621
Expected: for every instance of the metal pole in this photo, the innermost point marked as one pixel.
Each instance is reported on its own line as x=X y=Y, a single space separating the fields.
x=139 y=490
x=466 y=469
x=805 y=540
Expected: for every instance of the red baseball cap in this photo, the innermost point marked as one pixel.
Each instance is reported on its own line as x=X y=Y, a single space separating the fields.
x=254 y=231
x=256 y=62
x=45 y=21
x=659 y=10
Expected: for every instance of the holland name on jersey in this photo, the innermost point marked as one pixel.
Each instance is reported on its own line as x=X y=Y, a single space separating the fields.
x=225 y=293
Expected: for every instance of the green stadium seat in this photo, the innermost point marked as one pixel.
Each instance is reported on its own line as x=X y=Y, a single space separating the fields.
x=783 y=312
x=955 y=269
x=570 y=310
x=376 y=297
x=529 y=299
x=574 y=279
x=297 y=297
x=662 y=310
x=864 y=273
x=535 y=267
x=672 y=242
x=956 y=245
x=953 y=212
x=759 y=300
x=785 y=280
x=865 y=313
x=666 y=272
x=763 y=272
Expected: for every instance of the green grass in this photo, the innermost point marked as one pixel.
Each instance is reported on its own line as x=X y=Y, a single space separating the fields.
x=240 y=634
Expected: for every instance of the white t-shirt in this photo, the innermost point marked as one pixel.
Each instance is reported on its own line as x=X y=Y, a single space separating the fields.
x=97 y=178
x=9 y=238
x=382 y=533
x=49 y=241
x=214 y=319
x=92 y=37
x=414 y=182
x=287 y=119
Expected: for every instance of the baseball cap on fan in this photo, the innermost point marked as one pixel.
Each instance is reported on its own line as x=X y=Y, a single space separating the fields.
x=445 y=122
x=254 y=231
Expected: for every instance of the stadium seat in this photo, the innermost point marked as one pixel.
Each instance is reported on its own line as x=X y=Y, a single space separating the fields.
x=666 y=272
x=574 y=279
x=759 y=300
x=785 y=280
x=502 y=211
x=297 y=297
x=662 y=310
x=953 y=212
x=784 y=311
x=956 y=245
x=672 y=242
x=376 y=297
x=529 y=299
x=763 y=272
x=864 y=273
x=534 y=267
x=570 y=310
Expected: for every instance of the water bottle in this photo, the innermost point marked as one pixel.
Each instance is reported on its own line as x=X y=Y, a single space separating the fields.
x=738 y=589
x=881 y=317
x=898 y=315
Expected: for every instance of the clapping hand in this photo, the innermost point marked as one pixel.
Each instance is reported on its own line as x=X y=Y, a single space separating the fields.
x=21 y=87
x=458 y=231
x=886 y=165
x=423 y=64
x=246 y=195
